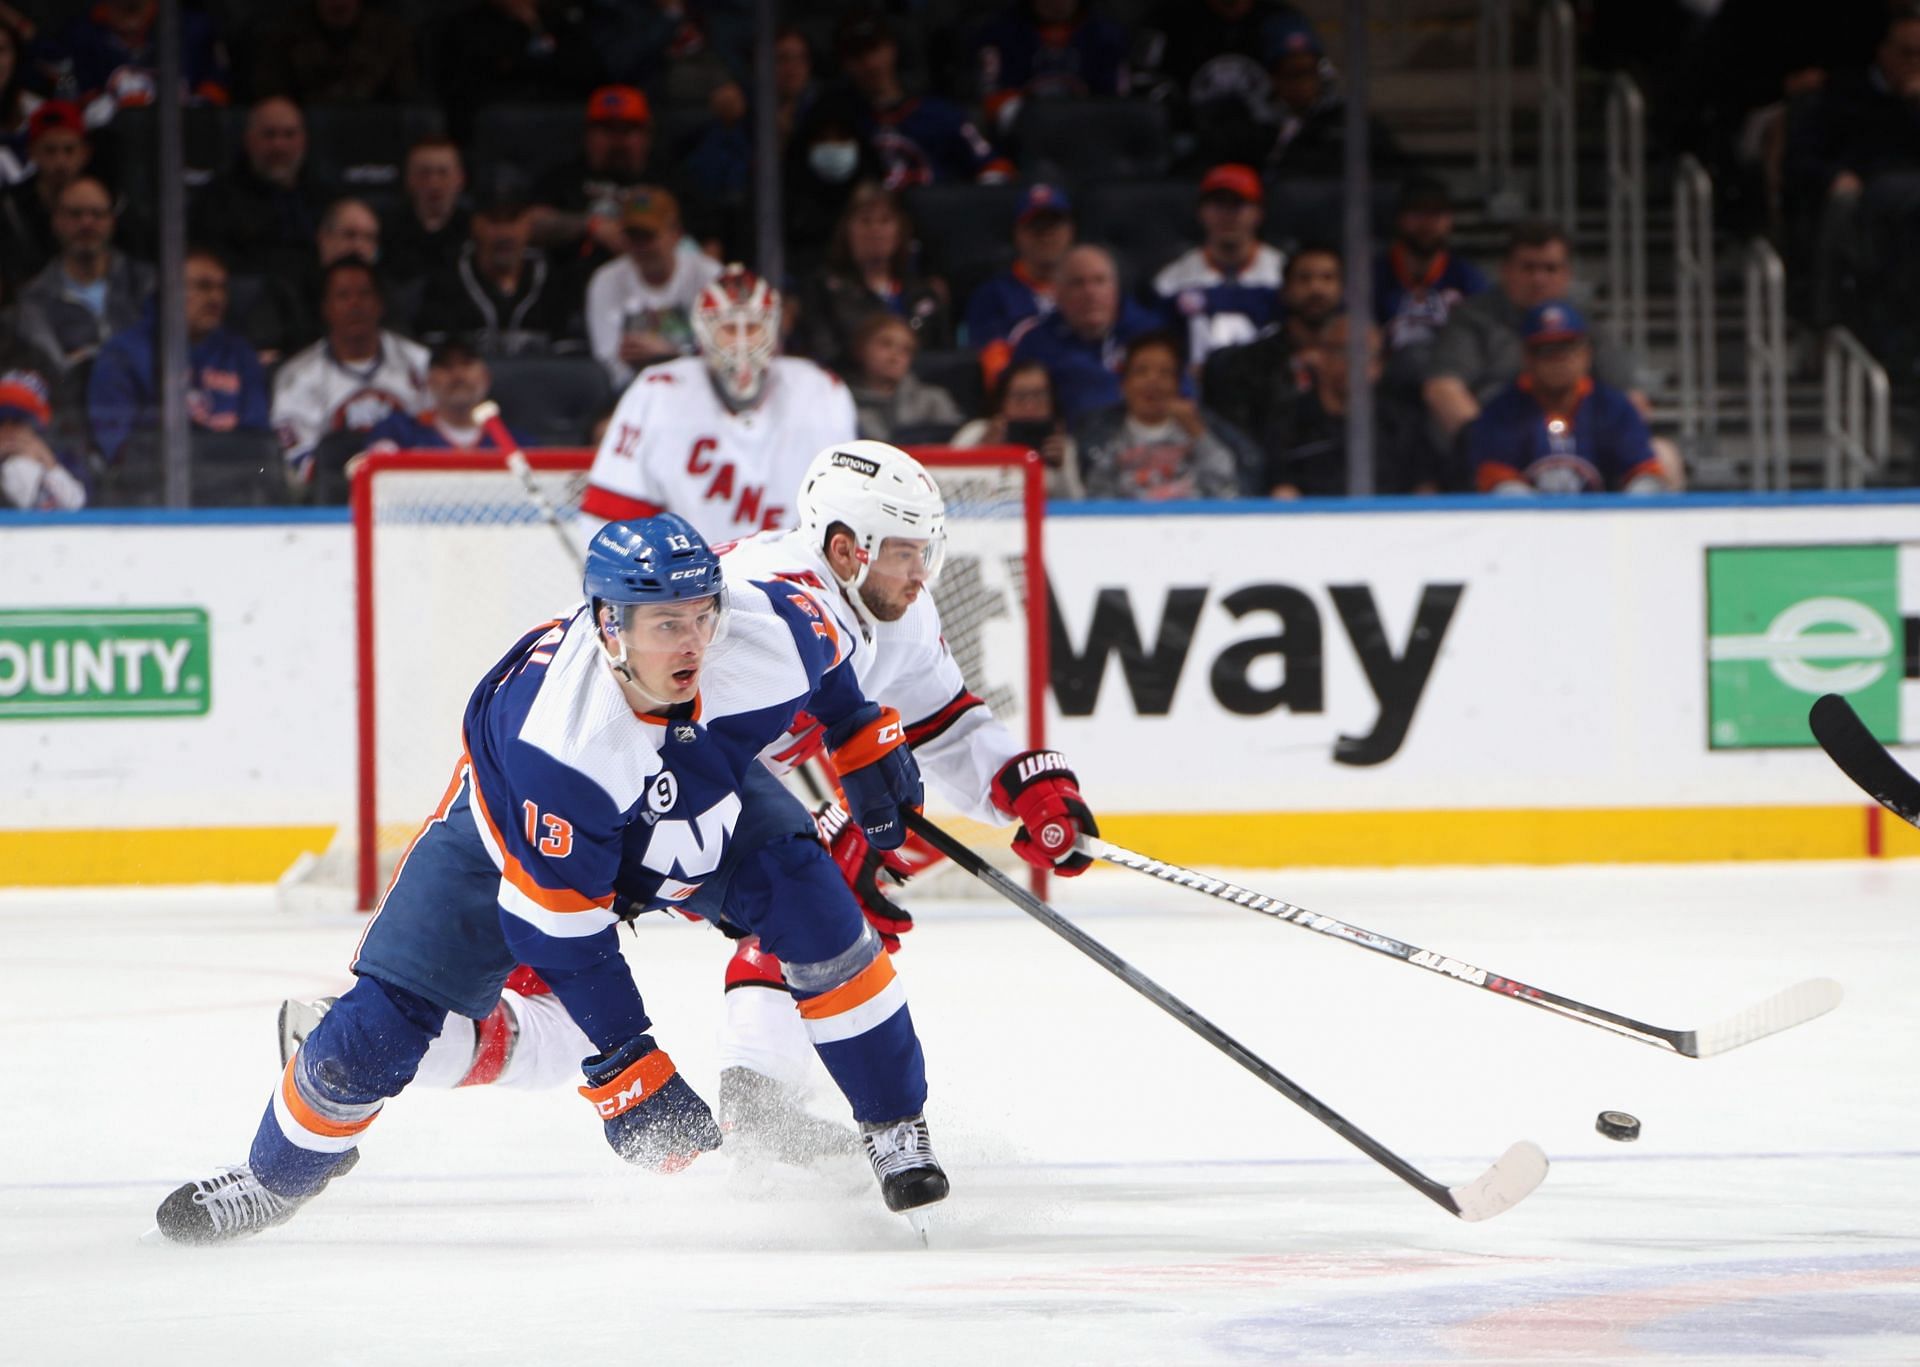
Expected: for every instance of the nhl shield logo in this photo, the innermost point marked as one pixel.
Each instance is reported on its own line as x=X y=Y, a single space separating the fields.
x=685 y=734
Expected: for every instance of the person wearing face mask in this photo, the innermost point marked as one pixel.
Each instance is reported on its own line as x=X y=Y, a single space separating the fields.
x=825 y=159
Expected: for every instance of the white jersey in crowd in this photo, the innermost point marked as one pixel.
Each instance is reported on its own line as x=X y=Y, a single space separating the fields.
x=620 y=300
x=316 y=393
x=673 y=446
x=959 y=744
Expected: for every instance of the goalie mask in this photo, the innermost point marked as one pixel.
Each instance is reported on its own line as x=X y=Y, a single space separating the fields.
x=876 y=492
x=736 y=321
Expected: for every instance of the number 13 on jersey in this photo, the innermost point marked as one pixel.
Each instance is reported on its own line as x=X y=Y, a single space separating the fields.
x=557 y=843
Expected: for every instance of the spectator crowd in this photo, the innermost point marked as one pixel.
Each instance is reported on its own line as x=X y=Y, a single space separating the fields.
x=1033 y=225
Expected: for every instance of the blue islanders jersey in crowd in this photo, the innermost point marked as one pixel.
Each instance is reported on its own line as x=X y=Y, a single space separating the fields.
x=1600 y=443
x=1086 y=374
x=1412 y=309
x=577 y=795
x=1002 y=302
x=1213 y=309
x=924 y=140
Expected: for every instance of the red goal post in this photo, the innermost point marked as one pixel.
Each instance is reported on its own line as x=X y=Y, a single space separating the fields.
x=454 y=559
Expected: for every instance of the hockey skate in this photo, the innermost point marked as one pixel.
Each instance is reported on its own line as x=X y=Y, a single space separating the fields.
x=232 y=1206
x=297 y=1019
x=910 y=1176
x=766 y=1117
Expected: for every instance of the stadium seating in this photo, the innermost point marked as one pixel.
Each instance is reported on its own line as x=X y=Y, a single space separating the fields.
x=550 y=400
x=523 y=142
x=961 y=226
x=362 y=148
x=1077 y=142
x=1146 y=223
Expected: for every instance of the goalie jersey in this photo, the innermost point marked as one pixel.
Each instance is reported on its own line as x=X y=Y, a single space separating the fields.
x=906 y=665
x=673 y=446
x=576 y=796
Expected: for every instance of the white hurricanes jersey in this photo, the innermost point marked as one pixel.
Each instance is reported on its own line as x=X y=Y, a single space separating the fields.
x=315 y=393
x=905 y=665
x=673 y=446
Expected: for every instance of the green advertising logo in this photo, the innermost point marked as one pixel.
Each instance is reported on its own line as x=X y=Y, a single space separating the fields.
x=104 y=662
x=1788 y=623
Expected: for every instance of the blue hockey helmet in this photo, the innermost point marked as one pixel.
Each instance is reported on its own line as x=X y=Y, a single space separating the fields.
x=659 y=559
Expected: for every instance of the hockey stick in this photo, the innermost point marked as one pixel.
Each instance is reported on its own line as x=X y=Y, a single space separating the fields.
x=1863 y=758
x=1793 y=1006
x=1501 y=1187
x=488 y=415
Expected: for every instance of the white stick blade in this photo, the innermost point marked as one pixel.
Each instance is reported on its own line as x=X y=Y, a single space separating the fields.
x=1782 y=1011
x=1503 y=1186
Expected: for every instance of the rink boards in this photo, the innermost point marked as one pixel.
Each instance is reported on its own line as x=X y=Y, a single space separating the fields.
x=1467 y=681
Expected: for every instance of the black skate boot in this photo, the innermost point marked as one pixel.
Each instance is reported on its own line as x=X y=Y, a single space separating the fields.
x=232 y=1206
x=297 y=1019
x=902 y=1156
x=769 y=1117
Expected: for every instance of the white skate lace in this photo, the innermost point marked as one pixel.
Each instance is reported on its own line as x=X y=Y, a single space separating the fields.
x=236 y=1200
x=898 y=1148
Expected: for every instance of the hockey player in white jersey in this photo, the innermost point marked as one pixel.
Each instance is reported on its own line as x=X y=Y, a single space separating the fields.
x=871 y=540
x=721 y=438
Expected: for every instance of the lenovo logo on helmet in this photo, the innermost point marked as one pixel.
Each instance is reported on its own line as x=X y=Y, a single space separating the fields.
x=846 y=460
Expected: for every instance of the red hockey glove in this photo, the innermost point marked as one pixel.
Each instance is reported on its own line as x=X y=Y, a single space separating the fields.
x=652 y=1118
x=878 y=774
x=868 y=872
x=1043 y=794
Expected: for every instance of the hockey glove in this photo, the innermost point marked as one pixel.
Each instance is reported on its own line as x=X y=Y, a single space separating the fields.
x=878 y=773
x=1040 y=791
x=868 y=872
x=652 y=1117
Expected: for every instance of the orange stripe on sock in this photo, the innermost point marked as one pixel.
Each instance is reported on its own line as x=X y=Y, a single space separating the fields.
x=308 y=1118
x=863 y=986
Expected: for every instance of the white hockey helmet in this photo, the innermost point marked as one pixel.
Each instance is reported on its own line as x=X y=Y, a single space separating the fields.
x=736 y=321
x=875 y=491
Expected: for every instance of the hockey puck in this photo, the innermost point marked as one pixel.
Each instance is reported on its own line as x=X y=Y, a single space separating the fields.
x=1618 y=1125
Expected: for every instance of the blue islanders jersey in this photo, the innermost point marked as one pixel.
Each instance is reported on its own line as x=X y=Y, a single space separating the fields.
x=575 y=794
x=1599 y=443
x=1411 y=309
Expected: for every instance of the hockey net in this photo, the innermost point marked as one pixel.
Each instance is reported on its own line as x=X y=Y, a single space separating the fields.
x=455 y=558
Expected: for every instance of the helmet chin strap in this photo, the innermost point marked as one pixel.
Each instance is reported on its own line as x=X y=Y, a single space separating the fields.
x=620 y=665
x=851 y=588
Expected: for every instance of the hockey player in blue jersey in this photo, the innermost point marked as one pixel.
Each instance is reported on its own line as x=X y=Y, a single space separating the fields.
x=610 y=767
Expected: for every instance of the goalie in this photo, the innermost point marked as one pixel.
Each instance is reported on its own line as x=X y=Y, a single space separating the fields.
x=870 y=543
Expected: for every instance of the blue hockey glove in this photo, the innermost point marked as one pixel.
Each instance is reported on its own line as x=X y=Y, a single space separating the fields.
x=651 y=1116
x=877 y=771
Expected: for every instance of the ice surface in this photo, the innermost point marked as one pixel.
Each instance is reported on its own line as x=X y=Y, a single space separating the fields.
x=1122 y=1194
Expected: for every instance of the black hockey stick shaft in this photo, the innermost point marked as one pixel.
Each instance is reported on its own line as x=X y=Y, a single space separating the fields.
x=1863 y=758
x=1187 y=1016
x=1792 y=1007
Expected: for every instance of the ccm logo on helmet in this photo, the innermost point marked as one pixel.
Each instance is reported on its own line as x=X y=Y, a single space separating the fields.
x=686 y=574
x=858 y=464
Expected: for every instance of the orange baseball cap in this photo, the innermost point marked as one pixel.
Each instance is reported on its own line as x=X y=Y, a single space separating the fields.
x=618 y=104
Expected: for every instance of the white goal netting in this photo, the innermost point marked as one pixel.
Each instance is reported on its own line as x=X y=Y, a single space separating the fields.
x=455 y=559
